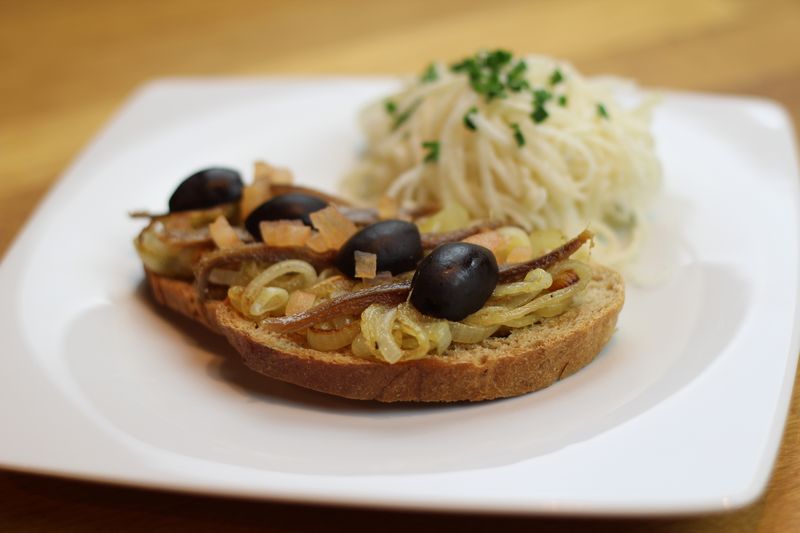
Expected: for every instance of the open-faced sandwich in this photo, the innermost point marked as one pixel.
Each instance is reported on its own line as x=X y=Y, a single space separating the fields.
x=382 y=304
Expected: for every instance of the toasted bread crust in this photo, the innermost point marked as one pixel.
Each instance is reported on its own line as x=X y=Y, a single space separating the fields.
x=181 y=296
x=527 y=360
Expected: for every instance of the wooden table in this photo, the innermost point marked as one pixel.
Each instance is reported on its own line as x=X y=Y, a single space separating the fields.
x=68 y=65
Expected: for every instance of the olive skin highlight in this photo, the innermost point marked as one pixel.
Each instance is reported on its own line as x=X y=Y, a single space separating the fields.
x=396 y=243
x=207 y=188
x=454 y=280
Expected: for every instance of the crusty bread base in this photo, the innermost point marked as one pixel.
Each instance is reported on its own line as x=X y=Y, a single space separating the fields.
x=526 y=360
x=180 y=295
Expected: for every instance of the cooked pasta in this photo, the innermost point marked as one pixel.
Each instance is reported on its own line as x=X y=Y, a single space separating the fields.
x=527 y=141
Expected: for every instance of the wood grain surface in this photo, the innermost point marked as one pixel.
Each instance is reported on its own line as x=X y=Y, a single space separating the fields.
x=66 y=66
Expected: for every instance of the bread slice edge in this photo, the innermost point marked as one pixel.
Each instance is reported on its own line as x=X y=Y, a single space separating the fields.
x=527 y=360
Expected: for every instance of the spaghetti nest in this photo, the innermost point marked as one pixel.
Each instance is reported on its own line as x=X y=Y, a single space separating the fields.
x=528 y=141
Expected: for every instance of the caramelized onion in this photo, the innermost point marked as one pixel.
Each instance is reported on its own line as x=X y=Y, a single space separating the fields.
x=366 y=265
x=516 y=271
x=282 y=233
x=334 y=228
x=361 y=216
x=395 y=293
x=254 y=252
x=327 y=340
x=223 y=234
x=299 y=301
x=432 y=240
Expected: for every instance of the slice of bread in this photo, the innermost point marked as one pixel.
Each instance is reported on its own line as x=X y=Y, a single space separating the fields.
x=526 y=360
x=181 y=296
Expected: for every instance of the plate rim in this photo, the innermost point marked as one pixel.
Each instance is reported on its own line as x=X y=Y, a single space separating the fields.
x=741 y=499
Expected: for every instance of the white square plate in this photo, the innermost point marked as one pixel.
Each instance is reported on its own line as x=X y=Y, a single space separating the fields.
x=682 y=412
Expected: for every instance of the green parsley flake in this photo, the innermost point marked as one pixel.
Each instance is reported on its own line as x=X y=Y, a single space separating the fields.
x=433 y=151
x=562 y=100
x=491 y=87
x=486 y=73
x=518 y=135
x=539 y=114
x=404 y=115
x=468 y=65
x=430 y=74
x=498 y=58
x=468 y=118
x=515 y=80
x=556 y=77
x=540 y=96
x=602 y=112
x=390 y=107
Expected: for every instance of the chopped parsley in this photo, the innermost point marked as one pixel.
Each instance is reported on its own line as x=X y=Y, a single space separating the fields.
x=405 y=114
x=492 y=87
x=430 y=74
x=556 y=77
x=496 y=74
x=468 y=122
x=390 y=106
x=515 y=79
x=540 y=96
x=433 y=151
x=602 y=112
x=497 y=59
x=539 y=114
x=486 y=76
x=518 y=136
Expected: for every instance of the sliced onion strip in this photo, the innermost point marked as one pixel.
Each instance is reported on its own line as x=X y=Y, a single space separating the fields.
x=469 y=334
x=389 y=350
x=327 y=340
x=546 y=261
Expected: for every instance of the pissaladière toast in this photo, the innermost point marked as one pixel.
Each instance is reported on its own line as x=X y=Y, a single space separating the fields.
x=525 y=360
x=383 y=304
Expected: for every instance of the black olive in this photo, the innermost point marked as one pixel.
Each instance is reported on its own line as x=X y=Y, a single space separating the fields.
x=397 y=244
x=291 y=206
x=207 y=188
x=454 y=280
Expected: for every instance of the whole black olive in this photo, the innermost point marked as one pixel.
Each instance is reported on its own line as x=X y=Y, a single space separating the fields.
x=207 y=188
x=397 y=244
x=291 y=206
x=454 y=280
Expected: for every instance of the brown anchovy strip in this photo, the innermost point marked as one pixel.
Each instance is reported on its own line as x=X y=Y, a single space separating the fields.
x=352 y=303
x=271 y=254
x=184 y=218
x=517 y=271
x=397 y=292
x=432 y=240
x=255 y=252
